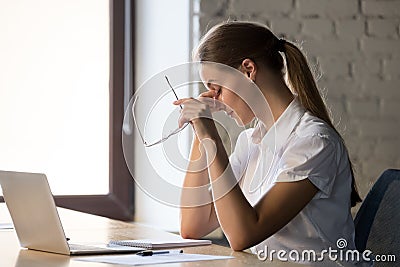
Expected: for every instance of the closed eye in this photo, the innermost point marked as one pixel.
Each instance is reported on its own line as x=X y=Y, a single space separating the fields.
x=213 y=87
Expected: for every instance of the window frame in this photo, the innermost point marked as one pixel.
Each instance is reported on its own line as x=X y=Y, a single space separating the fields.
x=119 y=202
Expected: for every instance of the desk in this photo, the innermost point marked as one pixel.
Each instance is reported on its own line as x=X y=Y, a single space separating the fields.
x=82 y=227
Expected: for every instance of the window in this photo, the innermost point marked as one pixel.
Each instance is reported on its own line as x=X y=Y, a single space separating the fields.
x=65 y=76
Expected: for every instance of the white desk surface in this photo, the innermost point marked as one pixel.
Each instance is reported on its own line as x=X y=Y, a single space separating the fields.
x=82 y=227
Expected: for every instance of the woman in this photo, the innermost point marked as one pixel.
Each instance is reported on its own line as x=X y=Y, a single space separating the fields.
x=305 y=199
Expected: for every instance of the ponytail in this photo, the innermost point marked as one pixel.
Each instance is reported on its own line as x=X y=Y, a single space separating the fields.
x=302 y=82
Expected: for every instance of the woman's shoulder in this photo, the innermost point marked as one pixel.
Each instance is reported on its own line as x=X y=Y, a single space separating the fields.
x=312 y=126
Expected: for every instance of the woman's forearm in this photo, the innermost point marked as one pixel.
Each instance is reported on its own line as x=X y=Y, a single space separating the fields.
x=235 y=214
x=197 y=212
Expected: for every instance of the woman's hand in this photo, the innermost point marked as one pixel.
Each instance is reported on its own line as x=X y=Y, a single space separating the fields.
x=210 y=98
x=199 y=113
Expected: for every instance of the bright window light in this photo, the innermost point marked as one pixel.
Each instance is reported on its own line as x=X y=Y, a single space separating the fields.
x=54 y=92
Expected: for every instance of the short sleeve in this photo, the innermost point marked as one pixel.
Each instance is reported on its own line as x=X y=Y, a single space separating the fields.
x=312 y=157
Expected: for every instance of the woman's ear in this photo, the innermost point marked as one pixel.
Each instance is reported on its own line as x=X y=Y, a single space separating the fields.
x=249 y=68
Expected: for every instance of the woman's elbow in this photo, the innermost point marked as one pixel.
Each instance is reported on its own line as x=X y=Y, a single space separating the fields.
x=244 y=241
x=187 y=235
x=190 y=235
x=239 y=242
x=189 y=232
x=238 y=246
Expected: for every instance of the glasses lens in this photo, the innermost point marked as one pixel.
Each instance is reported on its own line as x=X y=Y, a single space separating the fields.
x=157 y=120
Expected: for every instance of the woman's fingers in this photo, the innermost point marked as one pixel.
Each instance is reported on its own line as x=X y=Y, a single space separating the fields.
x=210 y=94
x=193 y=109
x=196 y=112
x=182 y=120
x=214 y=104
x=183 y=101
x=191 y=103
x=186 y=117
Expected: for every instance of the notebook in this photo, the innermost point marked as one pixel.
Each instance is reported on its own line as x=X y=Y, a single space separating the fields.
x=159 y=244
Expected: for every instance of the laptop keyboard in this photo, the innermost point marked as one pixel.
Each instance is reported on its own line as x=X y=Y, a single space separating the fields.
x=86 y=248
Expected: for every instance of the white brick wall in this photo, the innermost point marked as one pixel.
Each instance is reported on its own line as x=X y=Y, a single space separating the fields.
x=381 y=27
x=380 y=46
x=288 y=26
x=318 y=28
x=350 y=28
x=269 y=7
x=356 y=44
x=380 y=8
x=326 y=8
x=391 y=68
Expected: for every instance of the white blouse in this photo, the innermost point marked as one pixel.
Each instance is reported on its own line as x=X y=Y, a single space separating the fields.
x=299 y=146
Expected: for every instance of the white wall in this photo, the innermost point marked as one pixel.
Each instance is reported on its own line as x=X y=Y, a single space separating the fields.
x=162 y=41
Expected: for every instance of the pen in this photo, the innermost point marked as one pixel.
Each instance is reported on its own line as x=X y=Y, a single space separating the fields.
x=156 y=252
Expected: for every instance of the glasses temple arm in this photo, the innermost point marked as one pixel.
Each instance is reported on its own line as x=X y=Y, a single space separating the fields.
x=170 y=86
x=135 y=122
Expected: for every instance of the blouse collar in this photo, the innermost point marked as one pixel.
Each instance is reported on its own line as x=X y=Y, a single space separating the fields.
x=275 y=137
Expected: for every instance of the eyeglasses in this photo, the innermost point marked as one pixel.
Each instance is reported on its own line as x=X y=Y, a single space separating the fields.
x=164 y=138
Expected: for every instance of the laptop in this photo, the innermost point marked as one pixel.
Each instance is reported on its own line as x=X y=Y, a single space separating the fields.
x=36 y=221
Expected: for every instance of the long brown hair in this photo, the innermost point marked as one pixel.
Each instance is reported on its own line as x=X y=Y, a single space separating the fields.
x=230 y=43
